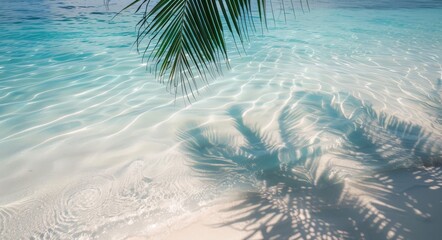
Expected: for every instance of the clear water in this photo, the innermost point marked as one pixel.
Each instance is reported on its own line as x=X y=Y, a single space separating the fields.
x=332 y=121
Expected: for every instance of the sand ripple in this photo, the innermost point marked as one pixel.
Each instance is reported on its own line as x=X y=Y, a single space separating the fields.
x=348 y=107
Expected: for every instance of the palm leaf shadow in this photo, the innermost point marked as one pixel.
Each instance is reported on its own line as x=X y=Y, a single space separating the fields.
x=433 y=102
x=272 y=171
x=313 y=187
x=378 y=147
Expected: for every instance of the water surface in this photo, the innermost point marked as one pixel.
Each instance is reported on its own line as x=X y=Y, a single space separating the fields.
x=332 y=120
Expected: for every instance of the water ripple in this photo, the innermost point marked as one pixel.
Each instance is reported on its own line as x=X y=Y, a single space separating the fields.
x=347 y=105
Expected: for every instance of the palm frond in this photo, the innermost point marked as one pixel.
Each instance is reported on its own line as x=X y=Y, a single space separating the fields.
x=186 y=38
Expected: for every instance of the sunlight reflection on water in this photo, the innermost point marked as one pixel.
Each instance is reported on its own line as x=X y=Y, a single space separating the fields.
x=331 y=123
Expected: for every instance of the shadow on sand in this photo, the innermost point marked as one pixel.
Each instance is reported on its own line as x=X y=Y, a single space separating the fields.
x=338 y=170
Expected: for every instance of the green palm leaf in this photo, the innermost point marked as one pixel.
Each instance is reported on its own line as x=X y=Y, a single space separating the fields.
x=186 y=38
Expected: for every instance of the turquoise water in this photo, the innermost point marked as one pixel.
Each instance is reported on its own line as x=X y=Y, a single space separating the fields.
x=332 y=120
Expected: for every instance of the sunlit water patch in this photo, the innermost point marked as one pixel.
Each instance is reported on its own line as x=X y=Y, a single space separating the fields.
x=330 y=124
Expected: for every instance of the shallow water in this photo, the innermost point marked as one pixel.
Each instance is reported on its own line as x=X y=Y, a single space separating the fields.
x=332 y=121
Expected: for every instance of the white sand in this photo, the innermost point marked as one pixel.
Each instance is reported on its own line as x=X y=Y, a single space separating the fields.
x=417 y=213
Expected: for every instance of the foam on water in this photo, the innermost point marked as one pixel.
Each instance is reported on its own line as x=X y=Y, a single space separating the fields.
x=332 y=121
